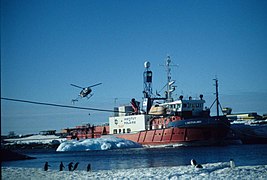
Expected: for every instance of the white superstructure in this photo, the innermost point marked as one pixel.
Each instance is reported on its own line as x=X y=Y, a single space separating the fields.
x=195 y=106
x=127 y=124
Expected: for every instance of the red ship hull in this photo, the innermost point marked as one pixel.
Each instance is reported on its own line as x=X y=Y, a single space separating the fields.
x=181 y=136
x=208 y=131
x=169 y=136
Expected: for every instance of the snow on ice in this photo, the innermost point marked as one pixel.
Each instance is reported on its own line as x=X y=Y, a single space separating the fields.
x=221 y=170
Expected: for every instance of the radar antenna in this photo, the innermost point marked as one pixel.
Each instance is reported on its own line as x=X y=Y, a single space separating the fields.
x=147 y=80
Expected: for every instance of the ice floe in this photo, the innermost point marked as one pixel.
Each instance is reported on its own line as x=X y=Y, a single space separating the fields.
x=104 y=143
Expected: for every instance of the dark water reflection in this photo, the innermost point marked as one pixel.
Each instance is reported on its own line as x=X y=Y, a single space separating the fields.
x=137 y=158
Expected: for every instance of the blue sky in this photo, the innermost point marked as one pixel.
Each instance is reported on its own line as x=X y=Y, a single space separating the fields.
x=47 y=45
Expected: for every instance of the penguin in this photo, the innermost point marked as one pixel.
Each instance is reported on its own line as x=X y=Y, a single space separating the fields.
x=199 y=166
x=232 y=163
x=61 y=166
x=46 y=166
x=88 y=167
x=194 y=163
x=70 y=166
x=75 y=166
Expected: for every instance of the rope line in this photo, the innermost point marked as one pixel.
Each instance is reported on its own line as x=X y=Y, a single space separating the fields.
x=56 y=105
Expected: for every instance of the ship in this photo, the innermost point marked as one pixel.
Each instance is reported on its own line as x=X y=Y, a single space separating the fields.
x=249 y=127
x=162 y=121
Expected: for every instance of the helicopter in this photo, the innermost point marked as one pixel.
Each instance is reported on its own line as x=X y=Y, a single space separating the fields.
x=85 y=92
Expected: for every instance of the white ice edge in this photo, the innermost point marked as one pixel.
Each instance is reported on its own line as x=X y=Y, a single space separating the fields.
x=220 y=170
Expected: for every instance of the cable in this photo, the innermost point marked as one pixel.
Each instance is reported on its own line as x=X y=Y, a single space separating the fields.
x=56 y=105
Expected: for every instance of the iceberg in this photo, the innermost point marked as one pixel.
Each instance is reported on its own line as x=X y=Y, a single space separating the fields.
x=103 y=143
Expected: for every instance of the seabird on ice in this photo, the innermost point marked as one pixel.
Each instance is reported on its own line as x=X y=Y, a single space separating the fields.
x=70 y=166
x=61 y=166
x=194 y=163
x=89 y=167
x=232 y=163
x=46 y=166
x=75 y=166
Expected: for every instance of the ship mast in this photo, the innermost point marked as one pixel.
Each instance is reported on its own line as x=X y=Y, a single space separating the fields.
x=217 y=98
x=147 y=80
x=147 y=75
x=170 y=87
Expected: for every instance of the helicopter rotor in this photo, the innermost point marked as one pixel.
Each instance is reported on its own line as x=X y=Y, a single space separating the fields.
x=94 y=85
x=77 y=86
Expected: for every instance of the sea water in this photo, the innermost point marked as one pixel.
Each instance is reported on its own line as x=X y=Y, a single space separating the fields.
x=243 y=155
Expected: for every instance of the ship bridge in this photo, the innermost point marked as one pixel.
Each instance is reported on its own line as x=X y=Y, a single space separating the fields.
x=179 y=106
